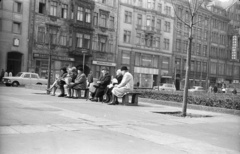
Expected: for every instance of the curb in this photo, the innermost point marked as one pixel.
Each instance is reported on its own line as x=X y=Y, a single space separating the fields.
x=192 y=106
x=162 y=102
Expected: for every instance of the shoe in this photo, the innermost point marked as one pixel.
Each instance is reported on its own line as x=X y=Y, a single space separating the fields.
x=112 y=103
x=53 y=95
x=61 y=95
x=48 y=90
x=94 y=100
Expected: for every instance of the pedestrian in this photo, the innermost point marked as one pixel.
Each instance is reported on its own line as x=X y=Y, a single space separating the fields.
x=125 y=86
x=90 y=78
x=215 y=89
x=234 y=91
x=2 y=75
x=6 y=74
x=60 y=82
x=103 y=81
x=10 y=74
x=210 y=89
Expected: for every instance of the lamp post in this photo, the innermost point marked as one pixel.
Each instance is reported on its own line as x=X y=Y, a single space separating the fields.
x=84 y=52
x=49 y=59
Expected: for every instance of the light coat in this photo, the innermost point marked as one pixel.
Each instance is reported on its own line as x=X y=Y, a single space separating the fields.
x=125 y=86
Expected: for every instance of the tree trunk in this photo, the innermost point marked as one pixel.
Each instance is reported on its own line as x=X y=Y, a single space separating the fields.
x=188 y=67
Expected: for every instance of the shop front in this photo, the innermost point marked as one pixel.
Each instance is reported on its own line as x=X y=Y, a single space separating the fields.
x=98 y=65
x=41 y=64
x=145 y=77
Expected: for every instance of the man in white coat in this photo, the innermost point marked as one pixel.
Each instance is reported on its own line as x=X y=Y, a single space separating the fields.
x=125 y=86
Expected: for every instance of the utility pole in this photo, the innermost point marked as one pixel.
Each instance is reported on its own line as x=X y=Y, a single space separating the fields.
x=49 y=59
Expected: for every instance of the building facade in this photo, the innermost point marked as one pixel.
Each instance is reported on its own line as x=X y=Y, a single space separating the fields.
x=145 y=40
x=62 y=29
x=14 y=19
x=104 y=42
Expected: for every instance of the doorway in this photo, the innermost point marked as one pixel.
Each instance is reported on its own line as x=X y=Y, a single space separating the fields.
x=14 y=62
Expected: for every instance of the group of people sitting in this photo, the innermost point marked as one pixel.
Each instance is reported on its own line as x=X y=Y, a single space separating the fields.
x=74 y=79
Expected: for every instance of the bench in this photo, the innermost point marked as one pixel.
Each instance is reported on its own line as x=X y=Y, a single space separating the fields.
x=134 y=100
x=83 y=93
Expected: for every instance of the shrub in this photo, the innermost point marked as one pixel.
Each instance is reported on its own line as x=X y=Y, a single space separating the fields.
x=221 y=100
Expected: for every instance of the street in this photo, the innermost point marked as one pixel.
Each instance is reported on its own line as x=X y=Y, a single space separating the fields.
x=35 y=123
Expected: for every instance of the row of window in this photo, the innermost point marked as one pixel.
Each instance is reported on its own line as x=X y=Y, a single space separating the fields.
x=146 y=60
x=196 y=66
x=151 y=4
x=197 y=32
x=101 y=19
x=224 y=69
x=198 y=49
x=219 y=38
x=219 y=53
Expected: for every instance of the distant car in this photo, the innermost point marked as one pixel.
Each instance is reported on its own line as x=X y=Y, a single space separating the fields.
x=196 y=89
x=23 y=78
x=166 y=87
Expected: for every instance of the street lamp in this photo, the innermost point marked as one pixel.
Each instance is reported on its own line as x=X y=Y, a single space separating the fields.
x=84 y=52
x=49 y=59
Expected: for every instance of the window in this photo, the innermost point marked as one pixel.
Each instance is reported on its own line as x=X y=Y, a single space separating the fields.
x=102 y=43
x=204 y=50
x=80 y=13
x=149 y=4
x=41 y=35
x=34 y=76
x=199 y=34
x=86 y=41
x=158 y=42
x=204 y=67
x=111 y=22
x=16 y=27
x=153 y=21
x=148 y=20
x=206 y=21
x=95 y=19
x=198 y=65
x=149 y=40
x=17 y=7
x=139 y=19
x=198 y=52
x=146 y=60
x=236 y=71
x=193 y=48
x=187 y=16
x=160 y=7
x=125 y=57
x=177 y=63
x=63 y=39
x=126 y=36
x=221 y=69
x=42 y=6
x=213 y=68
x=205 y=35
x=137 y=59
x=79 y=39
x=27 y=76
x=166 y=44
x=88 y=16
x=64 y=11
x=53 y=35
x=53 y=8
x=178 y=45
x=179 y=28
x=129 y=1
x=103 y=20
x=168 y=10
x=167 y=26
x=138 y=38
x=72 y=11
x=165 y=62
x=159 y=24
x=128 y=17
x=110 y=48
x=229 y=70
x=200 y=20
x=185 y=46
x=140 y=3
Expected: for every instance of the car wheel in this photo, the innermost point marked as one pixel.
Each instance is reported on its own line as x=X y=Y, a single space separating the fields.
x=7 y=84
x=39 y=83
x=15 y=84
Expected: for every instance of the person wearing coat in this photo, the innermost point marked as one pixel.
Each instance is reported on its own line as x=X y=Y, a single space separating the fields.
x=80 y=82
x=125 y=86
x=103 y=81
x=60 y=82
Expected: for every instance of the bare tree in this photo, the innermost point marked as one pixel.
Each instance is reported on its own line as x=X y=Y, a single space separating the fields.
x=193 y=7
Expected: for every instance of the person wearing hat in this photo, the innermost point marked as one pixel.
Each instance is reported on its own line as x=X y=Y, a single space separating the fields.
x=125 y=86
x=103 y=81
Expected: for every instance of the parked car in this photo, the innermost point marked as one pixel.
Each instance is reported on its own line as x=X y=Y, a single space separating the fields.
x=166 y=86
x=23 y=78
x=196 y=89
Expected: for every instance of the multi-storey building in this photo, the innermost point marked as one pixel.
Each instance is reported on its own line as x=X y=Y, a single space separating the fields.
x=63 y=29
x=14 y=19
x=233 y=12
x=104 y=36
x=200 y=46
x=145 y=40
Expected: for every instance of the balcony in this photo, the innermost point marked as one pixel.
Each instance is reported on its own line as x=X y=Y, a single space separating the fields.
x=103 y=56
x=150 y=29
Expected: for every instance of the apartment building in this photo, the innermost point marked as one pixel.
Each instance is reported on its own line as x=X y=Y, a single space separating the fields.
x=104 y=42
x=145 y=40
x=63 y=29
x=14 y=19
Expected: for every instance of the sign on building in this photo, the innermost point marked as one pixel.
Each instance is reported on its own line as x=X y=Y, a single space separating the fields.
x=234 y=47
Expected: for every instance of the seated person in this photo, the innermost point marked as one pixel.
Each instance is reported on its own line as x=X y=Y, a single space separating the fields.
x=103 y=81
x=79 y=83
x=59 y=83
x=125 y=86
x=115 y=81
x=71 y=76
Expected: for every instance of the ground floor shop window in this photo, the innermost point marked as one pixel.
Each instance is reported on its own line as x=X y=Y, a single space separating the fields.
x=143 y=80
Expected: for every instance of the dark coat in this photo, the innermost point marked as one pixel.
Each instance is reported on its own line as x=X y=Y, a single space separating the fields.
x=80 y=82
x=90 y=78
x=105 y=80
x=119 y=78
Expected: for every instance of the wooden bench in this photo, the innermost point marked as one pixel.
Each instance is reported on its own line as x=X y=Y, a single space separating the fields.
x=134 y=100
x=85 y=95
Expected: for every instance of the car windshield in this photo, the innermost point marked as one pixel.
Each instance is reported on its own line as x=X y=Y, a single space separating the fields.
x=19 y=74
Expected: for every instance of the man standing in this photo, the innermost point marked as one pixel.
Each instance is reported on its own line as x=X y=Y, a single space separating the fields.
x=103 y=81
x=2 y=75
x=125 y=86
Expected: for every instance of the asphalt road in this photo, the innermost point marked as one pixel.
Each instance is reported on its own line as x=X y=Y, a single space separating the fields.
x=32 y=122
